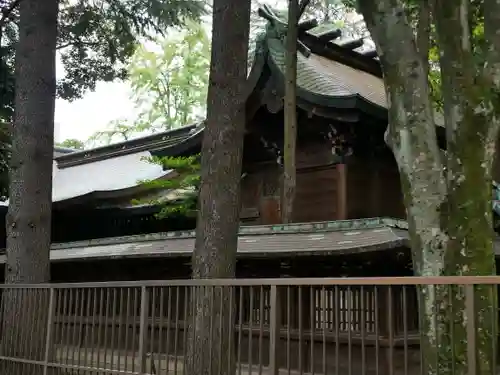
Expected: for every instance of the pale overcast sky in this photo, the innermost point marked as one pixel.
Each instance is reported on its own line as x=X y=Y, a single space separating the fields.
x=82 y=118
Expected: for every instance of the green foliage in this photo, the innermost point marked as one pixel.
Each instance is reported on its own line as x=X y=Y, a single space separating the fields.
x=169 y=85
x=183 y=185
x=6 y=84
x=117 y=130
x=8 y=36
x=75 y=144
x=326 y=10
x=477 y=33
x=96 y=40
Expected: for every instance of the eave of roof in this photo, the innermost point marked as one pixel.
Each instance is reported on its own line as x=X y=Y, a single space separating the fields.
x=302 y=239
x=64 y=150
x=117 y=170
x=152 y=142
x=323 y=238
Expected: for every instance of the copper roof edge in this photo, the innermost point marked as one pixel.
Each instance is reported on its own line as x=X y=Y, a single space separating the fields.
x=256 y=230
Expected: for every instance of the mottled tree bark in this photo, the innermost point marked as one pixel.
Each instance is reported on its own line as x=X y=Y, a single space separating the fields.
x=290 y=112
x=29 y=213
x=448 y=201
x=423 y=33
x=210 y=333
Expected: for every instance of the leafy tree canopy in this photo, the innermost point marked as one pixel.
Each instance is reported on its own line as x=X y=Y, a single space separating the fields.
x=97 y=38
x=169 y=85
x=72 y=143
x=96 y=41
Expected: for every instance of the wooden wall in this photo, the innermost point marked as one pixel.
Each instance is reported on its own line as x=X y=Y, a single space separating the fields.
x=319 y=189
x=363 y=187
x=373 y=188
x=317 y=195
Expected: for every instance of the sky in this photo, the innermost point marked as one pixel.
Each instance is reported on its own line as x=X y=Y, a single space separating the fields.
x=82 y=118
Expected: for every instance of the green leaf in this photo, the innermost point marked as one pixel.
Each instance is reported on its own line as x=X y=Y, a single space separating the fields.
x=169 y=84
x=185 y=183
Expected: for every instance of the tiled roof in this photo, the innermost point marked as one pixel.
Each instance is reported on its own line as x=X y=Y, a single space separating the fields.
x=327 y=78
x=321 y=238
x=340 y=237
x=115 y=168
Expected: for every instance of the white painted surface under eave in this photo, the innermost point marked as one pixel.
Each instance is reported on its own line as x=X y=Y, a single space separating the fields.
x=112 y=174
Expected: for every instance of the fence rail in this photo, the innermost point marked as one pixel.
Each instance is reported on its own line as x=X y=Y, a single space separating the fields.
x=366 y=326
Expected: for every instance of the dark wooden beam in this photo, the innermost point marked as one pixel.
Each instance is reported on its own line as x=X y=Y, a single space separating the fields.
x=330 y=35
x=370 y=53
x=351 y=44
x=308 y=25
x=342 y=55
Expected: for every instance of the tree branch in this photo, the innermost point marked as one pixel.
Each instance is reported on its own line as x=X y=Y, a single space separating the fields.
x=74 y=42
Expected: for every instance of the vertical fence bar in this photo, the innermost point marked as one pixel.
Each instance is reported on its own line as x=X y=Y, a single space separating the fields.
x=390 y=329
x=48 y=338
x=231 y=328
x=143 y=329
x=275 y=325
x=261 y=326
x=240 y=328
x=177 y=329
x=288 y=330
x=471 y=329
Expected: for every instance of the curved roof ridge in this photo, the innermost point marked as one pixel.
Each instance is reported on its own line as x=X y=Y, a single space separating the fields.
x=127 y=147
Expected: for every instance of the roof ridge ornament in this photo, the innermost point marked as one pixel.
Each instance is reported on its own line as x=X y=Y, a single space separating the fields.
x=278 y=25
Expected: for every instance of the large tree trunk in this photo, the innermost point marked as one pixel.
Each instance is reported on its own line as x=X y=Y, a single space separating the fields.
x=211 y=327
x=29 y=214
x=448 y=201
x=290 y=112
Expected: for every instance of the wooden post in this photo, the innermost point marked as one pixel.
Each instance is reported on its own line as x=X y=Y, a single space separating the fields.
x=374 y=183
x=386 y=322
x=341 y=192
x=143 y=330
x=290 y=111
x=471 y=330
x=50 y=326
x=307 y=300
x=275 y=325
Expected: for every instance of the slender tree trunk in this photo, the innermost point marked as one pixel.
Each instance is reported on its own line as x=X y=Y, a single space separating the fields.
x=290 y=112
x=448 y=201
x=29 y=214
x=211 y=327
